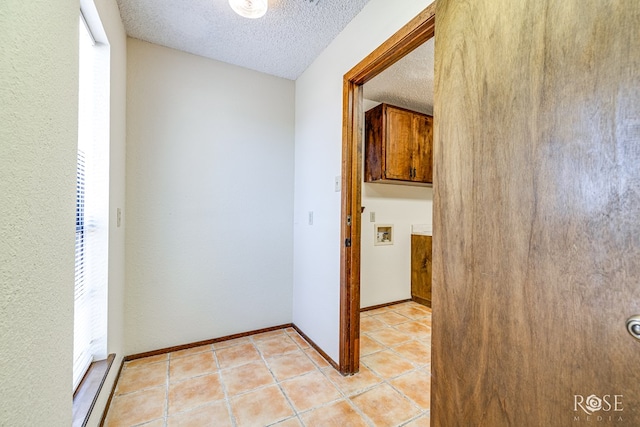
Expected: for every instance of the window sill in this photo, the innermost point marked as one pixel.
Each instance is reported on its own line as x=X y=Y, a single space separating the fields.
x=87 y=393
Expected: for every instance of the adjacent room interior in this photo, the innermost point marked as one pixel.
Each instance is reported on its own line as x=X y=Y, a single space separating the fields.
x=400 y=207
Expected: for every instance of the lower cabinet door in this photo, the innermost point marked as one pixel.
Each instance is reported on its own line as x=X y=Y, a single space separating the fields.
x=421 y=269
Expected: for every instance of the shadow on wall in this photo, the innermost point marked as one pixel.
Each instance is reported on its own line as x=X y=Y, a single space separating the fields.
x=389 y=191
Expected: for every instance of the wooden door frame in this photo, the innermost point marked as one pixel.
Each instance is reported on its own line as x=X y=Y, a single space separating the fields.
x=417 y=31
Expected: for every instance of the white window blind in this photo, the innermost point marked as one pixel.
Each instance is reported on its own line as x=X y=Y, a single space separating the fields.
x=92 y=206
x=82 y=356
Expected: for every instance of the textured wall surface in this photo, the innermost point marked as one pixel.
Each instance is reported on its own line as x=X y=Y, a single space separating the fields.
x=38 y=140
x=318 y=161
x=209 y=198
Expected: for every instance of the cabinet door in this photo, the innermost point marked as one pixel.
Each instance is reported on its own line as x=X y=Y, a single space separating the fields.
x=398 y=144
x=422 y=155
x=421 y=269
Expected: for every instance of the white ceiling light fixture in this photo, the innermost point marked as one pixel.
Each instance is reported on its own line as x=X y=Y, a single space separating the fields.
x=249 y=8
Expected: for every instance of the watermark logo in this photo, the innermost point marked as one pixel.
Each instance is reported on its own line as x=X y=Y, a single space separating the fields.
x=595 y=408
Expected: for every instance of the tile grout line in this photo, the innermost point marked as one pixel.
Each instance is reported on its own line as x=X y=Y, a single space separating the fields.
x=227 y=398
x=415 y=405
x=322 y=372
x=383 y=380
x=166 y=391
x=347 y=398
x=298 y=414
x=277 y=383
x=217 y=372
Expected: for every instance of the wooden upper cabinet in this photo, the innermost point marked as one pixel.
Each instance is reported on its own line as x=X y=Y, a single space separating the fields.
x=398 y=146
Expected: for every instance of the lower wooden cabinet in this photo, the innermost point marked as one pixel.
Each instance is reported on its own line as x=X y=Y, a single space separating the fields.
x=421 y=269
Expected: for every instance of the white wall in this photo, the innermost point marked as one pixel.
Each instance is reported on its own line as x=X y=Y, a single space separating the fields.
x=385 y=271
x=318 y=130
x=209 y=198
x=38 y=143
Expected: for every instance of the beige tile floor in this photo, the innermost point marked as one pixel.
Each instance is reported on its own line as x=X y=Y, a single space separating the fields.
x=277 y=379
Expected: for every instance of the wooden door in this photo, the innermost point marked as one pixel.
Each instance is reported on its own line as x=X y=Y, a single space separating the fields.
x=536 y=213
x=398 y=144
x=422 y=157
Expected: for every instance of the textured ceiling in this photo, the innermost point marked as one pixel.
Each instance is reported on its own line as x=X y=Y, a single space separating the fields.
x=283 y=43
x=408 y=83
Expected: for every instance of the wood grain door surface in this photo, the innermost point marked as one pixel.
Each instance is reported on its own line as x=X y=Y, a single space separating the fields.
x=536 y=213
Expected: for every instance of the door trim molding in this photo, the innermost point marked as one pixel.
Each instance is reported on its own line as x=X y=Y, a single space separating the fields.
x=413 y=34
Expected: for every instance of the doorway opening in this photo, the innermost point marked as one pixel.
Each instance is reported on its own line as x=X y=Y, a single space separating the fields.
x=416 y=32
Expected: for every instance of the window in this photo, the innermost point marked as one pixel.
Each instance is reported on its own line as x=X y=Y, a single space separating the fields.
x=92 y=201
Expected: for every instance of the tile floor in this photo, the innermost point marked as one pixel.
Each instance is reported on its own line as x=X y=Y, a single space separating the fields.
x=277 y=379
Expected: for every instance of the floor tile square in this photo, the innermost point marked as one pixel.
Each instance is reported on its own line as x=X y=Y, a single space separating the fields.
x=260 y=407
x=267 y=335
x=391 y=318
x=140 y=377
x=387 y=364
x=416 y=386
x=368 y=324
x=188 y=394
x=291 y=365
x=412 y=310
x=191 y=366
x=231 y=343
x=415 y=351
x=237 y=355
x=213 y=415
x=336 y=414
x=137 y=408
x=310 y=390
x=384 y=406
x=369 y=345
x=190 y=351
x=246 y=377
x=389 y=336
x=415 y=328
x=146 y=360
x=376 y=311
x=276 y=346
